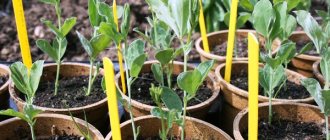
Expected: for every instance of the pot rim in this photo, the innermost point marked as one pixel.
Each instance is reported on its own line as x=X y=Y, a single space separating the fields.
x=4 y=87
x=316 y=70
x=201 y=51
x=239 y=116
x=86 y=108
x=260 y=97
x=304 y=56
x=215 y=91
x=187 y=118
x=91 y=128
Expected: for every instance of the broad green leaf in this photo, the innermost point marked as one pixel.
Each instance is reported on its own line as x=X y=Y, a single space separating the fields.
x=156 y=112
x=19 y=74
x=264 y=79
x=137 y=65
x=165 y=56
x=35 y=74
x=246 y=4
x=242 y=19
x=99 y=43
x=326 y=100
x=278 y=76
x=111 y=31
x=135 y=49
x=31 y=112
x=273 y=62
x=68 y=25
x=190 y=81
x=52 y=27
x=262 y=15
x=60 y=49
x=47 y=48
x=157 y=72
x=126 y=20
x=306 y=48
x=312 y=29
x=86 y=44
x=180 y=11
x=53 y=2
x=291 y=3
x=94 y=16
x=325 y=69
x=287 y=51
x=290 y=26
x=13 y=113
x=106 y=11
x=171 y=99
x=205 y=67
x=280 y=20
x=314 y=89
x=323 y=14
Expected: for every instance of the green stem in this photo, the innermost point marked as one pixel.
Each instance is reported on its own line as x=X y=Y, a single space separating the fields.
x=184 y=116
x=58 y=13
x=90 y=82
x=270 y=97
x=270 y=111
x=32 y=132
x=163 y=133
x=278 y=90
x=327 y=126
x=57 y=77
x=269 y=47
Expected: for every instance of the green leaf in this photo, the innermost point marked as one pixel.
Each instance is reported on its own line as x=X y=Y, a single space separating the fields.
x=86 y=44
x=68 y=25
x=262 y=15
x=325 y=69
x=290 y=26
x=156 y=112
x=326 y=100
x=137 y=65
x=19 y=75
x=47 y=48
x=135 y=49
x=60 y=49
x=171 y=99
x=190 y=81
x=35 y=74
x=287 y=51
x=52 y=27
x=94 y=16
x=273 y=62
x=13 y=113
x=242 y=19
x=165 y=56
x=157 y=72
x=111 y=31
x=53 y=2
x=307 y=47
x=106 y=11
x=246 y=4
x=180 y=12
x=99 y=43
x=205 y=67
x=314 y=89
x=126 y=20
x=31 y=112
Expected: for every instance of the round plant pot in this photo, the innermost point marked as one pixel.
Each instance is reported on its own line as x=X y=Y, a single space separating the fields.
x=194 y=129
x=317 y=73
x=303 y=63
x=296 y=112
x=219 y=37
x=198 y=111
x=96 y=113
x=47 y=125
x=4 y=95
x=236 y=99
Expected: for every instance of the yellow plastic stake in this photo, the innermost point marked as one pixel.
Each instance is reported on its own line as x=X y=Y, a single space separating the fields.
x=22 y=33
x=231 y=39
x=120 y=55
x=203 y=28
x=112 y=98
x=253 y=49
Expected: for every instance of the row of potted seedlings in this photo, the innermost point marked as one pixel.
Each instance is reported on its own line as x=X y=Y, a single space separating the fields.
x=164 y=92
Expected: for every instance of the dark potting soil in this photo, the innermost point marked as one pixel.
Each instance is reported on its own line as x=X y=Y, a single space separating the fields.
x=140 y=90
x=71 y=93
x=296 y=91
x=288 y=130
x=3 y=79
x=301 y=44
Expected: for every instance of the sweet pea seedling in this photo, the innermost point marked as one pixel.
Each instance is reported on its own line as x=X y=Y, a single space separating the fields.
x=57 y=49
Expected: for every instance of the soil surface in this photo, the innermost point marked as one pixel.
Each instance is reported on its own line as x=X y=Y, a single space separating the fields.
x=296 y=91
x=289 y=130
x=35 y=10
x=3 y=79
x=71 y=93
x=140 y=90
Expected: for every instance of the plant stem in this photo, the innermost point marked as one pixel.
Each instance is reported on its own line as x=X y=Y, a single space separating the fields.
x=184 y=116
x=32 y=132
x=270 y=97
x=90 y=82
x=163 y=133
x=327 y=126
x=57 y=77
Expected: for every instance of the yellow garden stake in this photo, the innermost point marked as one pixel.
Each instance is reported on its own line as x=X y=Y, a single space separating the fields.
x=253 y=68
x=231 y=39
x=120 y=55
x=22 y=33
x=112 y=98
x=203 y=28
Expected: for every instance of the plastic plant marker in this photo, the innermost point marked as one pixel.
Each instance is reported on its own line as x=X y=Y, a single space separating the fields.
x=253 y=68
x=22 y=33
x=231 y=39
x=203 y=28
x=109 y=77
x=120 y=55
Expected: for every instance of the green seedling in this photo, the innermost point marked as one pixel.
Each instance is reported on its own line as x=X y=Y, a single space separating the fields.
x=58 y=47
x=86 y=135
x=26 y=81
x=320 y=36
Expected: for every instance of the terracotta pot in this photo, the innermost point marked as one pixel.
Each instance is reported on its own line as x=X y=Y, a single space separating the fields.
x=197 y=111
x=219 y=37
x=45 y=125
x=96 y=113
x=303 y=63
x=194 y=129
x=237 y=99
x=287 y=111
x=317 y=73
x=4 y=95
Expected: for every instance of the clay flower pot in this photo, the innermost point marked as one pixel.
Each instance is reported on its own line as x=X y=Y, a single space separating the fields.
x=303 y=63
x=45 y=126
x=296 y=112
x=96 y=113
x=198 y=111
x=4 y=95
x=236 y=99
x=194 y=129
x=317 y=73
x=220 y=37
